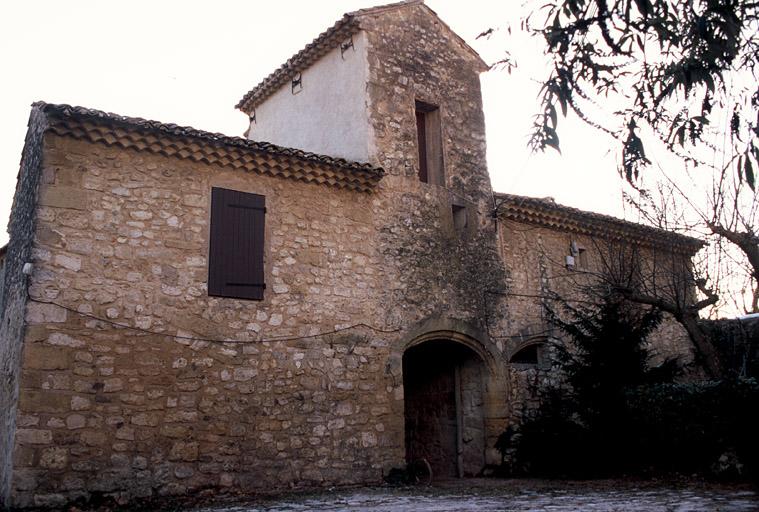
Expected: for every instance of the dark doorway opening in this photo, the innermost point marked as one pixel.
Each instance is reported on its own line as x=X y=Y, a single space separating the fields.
x=444 y=414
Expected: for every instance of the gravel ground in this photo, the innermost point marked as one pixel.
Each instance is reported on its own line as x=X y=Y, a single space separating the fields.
x=519 y=496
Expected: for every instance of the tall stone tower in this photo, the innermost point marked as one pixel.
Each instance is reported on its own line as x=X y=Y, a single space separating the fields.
x=396 y=87
x=390 y=85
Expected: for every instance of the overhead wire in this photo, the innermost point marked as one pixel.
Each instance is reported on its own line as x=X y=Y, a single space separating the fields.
x=217 y=340
x=275 y=338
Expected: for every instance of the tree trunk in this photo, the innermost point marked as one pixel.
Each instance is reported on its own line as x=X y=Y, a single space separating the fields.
x=705 y=350
x=749 y=244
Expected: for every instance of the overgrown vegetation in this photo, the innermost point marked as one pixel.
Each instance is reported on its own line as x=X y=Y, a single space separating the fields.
x=617 y=414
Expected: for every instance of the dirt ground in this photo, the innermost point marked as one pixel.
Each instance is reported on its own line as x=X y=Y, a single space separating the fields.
x=517 y=495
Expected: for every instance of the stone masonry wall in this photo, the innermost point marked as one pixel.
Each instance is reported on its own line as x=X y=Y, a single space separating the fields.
x=122 y=236
x=534 y=257
x=138 y=384
x=431 y=267
x=435 y=275
x=13 y=294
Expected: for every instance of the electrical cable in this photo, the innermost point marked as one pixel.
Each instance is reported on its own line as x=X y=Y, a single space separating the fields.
x=273 y=339
x=214 y=340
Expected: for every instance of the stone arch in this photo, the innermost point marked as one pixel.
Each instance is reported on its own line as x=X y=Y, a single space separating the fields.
x=539 y=343
x=444 y=336
x=488 y=357
x=441 y=327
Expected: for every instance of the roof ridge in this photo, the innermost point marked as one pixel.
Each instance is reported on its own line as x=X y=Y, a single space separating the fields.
x=587 y=217
x=327 y=41
x=78 y=121
x=189 y=131
x=385 y=7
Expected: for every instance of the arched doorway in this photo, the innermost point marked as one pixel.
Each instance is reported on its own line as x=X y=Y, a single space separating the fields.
x=444 y=409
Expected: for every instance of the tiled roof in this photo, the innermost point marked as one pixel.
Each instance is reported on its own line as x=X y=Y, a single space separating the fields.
x=212 y=148
x=546 y=212
x=323 y=44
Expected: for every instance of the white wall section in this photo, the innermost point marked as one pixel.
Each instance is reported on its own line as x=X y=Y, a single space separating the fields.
x=329 y=114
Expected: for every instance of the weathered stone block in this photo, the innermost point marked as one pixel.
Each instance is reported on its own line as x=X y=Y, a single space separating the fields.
x=34 y=436
x=35 y=333
x=146 y=419
x=54 y=458
x=38 y=357
x=49 y=500
x=25 y=456
x=65 y=197
x=125 y=433
x=69 y=262
x=244 y=374
x=43 y=401
x=64 y=340
x=80 y=403
x=92 y=438
x=75 y=421
x=39 y=313
x=25 y=479
x=185 y=451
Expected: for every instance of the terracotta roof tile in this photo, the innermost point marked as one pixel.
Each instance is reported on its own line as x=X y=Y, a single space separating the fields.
x=546 y=212
x=213 y=148
x=323 y=44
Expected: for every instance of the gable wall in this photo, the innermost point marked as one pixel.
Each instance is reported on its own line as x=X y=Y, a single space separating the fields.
x=328 y=114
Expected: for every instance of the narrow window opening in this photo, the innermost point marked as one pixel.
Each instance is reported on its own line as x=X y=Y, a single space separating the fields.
x=528 y=355
x=430 y=143
x=297 y=83
x=421 y=135
x=577 y=258
x=582 y=258
x=460 y=219
x=532 y=354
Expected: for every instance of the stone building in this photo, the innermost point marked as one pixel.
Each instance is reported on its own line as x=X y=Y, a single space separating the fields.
x=186 y=310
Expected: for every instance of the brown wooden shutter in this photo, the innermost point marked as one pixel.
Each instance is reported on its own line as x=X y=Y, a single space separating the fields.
x=236 y=253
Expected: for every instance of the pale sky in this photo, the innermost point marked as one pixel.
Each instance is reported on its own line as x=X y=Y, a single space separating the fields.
x=189 y=62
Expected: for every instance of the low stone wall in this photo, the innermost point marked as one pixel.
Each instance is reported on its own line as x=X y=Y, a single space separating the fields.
x=137 y=416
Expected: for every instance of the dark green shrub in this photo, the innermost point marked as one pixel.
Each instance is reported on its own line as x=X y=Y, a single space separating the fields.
x=582 y=428
x=552 y=442
x=616 y=416
x=686 y=428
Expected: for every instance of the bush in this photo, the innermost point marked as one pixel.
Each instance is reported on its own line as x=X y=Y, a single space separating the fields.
x=687 y=428
x=615 y=415
x=707 y=428
x=552 y=442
